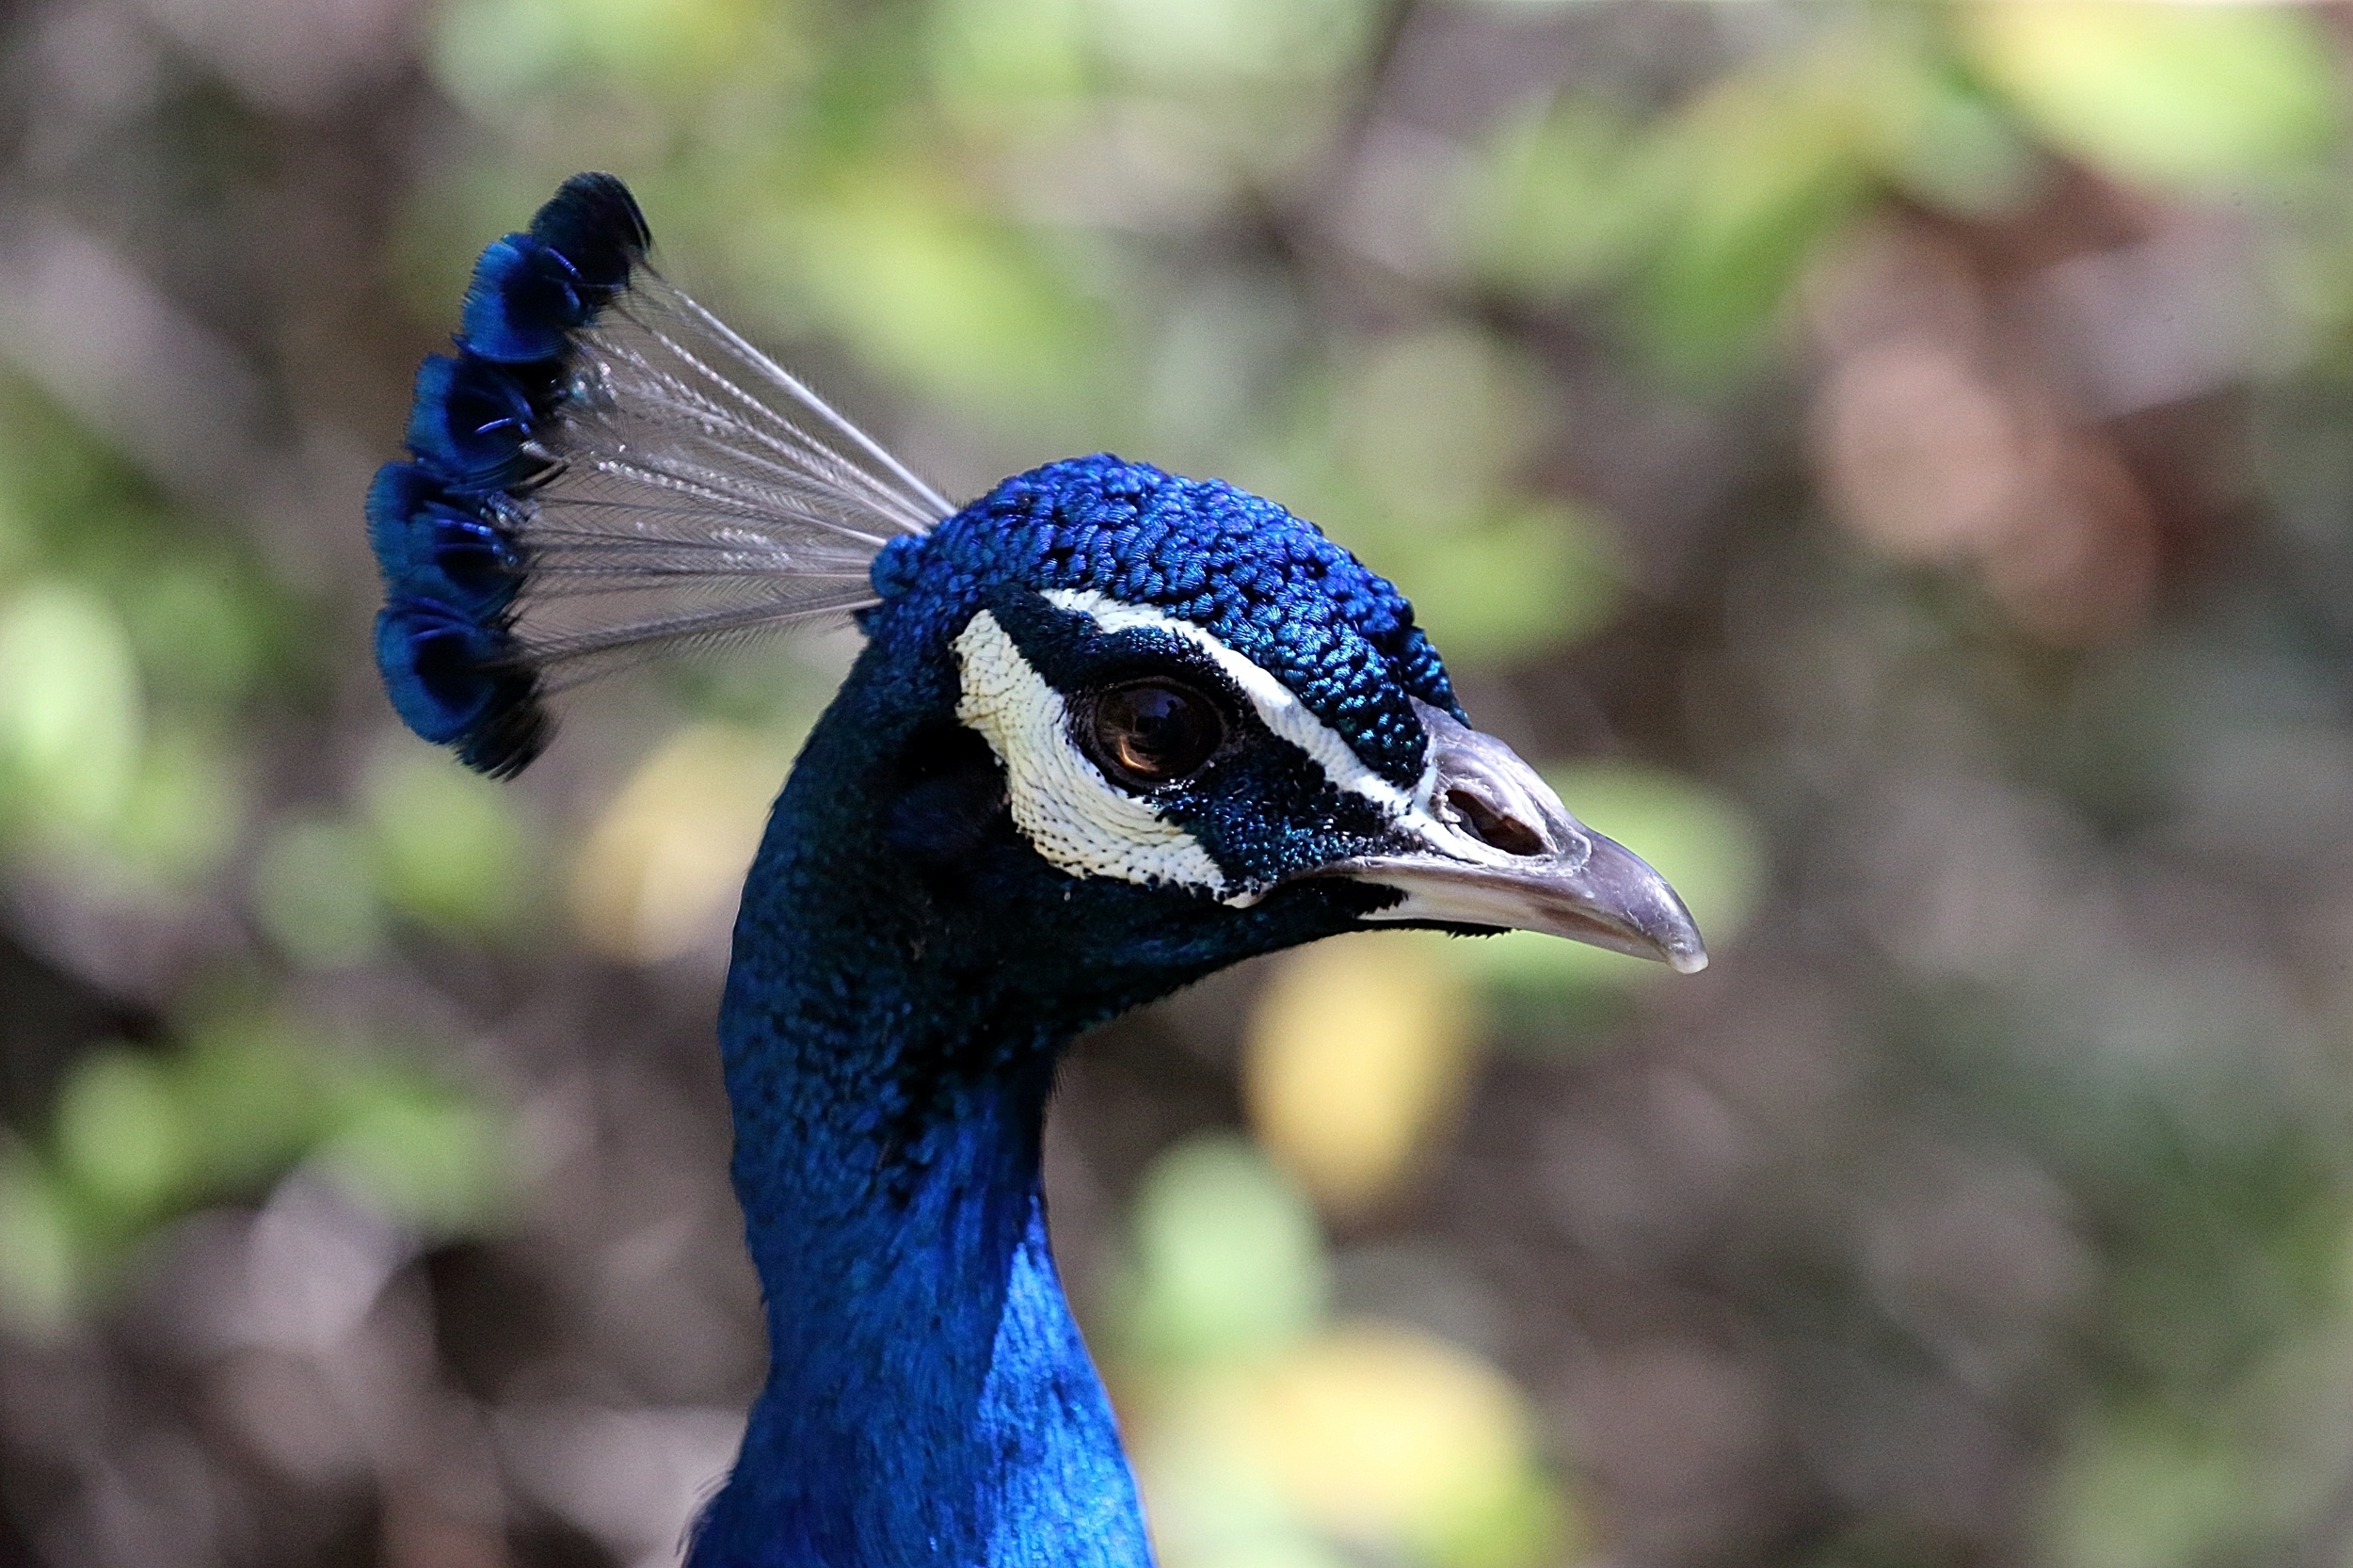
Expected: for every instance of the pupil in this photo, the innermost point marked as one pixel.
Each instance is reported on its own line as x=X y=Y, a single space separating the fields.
x=1155 y=732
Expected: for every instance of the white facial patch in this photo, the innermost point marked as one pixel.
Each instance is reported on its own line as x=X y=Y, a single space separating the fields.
x=1079 y=821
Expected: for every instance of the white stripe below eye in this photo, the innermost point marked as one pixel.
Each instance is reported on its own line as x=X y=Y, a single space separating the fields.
x=1278 y=708
x=1070 y=813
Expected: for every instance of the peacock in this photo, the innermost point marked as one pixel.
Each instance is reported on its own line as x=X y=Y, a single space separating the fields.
x=1110 y=729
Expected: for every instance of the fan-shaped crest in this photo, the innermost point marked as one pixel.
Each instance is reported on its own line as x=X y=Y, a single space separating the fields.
x=604 y=467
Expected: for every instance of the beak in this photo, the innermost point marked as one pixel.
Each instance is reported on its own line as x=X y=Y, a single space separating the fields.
x=1497 y=849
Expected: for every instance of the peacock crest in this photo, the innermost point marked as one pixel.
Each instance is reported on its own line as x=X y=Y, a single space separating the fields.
x=600 y=466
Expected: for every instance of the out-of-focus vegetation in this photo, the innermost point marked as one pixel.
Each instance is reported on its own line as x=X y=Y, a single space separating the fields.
x=1894 y=463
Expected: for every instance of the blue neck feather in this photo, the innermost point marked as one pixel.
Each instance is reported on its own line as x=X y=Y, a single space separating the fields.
x=928 y=1398
x=907 y=971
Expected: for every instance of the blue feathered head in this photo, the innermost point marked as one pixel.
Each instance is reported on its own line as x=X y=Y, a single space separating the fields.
x=1182 y=686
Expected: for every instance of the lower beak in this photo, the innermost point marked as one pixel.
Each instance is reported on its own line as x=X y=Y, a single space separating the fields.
x=1496 y=849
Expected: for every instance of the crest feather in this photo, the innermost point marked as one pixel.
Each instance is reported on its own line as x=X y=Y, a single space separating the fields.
x=604 y=469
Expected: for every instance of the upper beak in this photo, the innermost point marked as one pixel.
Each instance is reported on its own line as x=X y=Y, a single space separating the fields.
x=1497 y=849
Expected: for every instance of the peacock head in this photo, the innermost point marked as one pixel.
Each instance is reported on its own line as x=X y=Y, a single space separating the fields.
x=1189 y=690
x=1171 y=720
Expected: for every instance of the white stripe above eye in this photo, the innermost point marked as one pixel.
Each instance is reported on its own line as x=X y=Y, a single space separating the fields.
x=1278 y=708
x=1069 y=812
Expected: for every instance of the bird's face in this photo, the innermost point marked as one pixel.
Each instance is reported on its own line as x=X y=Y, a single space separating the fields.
x=1198 y=703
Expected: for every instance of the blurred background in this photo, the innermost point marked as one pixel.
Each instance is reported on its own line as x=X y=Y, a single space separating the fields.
x=1893 y=463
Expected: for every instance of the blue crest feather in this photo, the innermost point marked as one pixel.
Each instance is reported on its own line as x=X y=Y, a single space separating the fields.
x=442 y=544
x=524 y=301
x=452 y=680
x=595 y=224
x=470 y=420
x=600 y=469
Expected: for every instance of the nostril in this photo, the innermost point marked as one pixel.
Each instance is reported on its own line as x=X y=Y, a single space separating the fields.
x=1497 y=829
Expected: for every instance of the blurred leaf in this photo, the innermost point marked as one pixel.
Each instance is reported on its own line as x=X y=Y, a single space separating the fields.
x=1192 y=44
x=39 y=1264
x=62 y=486
x=1565 y=201
x=186 y=808
x=314 y=892
x=1432 y=422
x=2137 y=1491
x=71 y=712
x=2170 y=95
x=1433 y=427
x=421 y=1155
x=256 y=1097
x=1702 y=841
x=122 y=1134
x=1229 y=1259
x=964 y=307
x=1531 y=1522
x=1767 y=165
x=200 y=627
x=1211 y=1501
x=449 y=846
x=490 y=54
x=1526 y=580
x=1712 y=213
x=140 y=1139
x=1025 y=62
x=1270 y=1549
x=16 y=529
x=1950 y=146
x=1369 y=1442
x=1217 y=371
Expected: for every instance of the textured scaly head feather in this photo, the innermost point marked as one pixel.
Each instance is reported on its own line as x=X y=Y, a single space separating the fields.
x=603 y=467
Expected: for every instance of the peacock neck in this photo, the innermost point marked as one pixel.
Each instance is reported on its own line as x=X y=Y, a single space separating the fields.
x=928 y=1400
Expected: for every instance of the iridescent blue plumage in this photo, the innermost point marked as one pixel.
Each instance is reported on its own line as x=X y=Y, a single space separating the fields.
x=598 y=465
x=471 y=419
x=1111 y=730
x=439 y=542
x=1264 y=583
x=445 y=526
x=525 y=299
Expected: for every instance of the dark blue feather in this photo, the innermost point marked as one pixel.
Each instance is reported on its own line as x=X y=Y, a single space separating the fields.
x=602 y=467
x=594 y=223
x=437 y=663
x=438 y=543
x=451 y=678
x=525 y=300
x=532 y=291
x=471 y=420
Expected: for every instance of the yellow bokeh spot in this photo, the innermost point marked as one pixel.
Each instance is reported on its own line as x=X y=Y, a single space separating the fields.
x=660 y=872
x=1368 y=1439
x=1383 y=1434
x=1355 y=1061
x=2171 y=96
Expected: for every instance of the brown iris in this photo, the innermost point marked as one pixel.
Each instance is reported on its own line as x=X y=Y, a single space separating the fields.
x=1151 y=732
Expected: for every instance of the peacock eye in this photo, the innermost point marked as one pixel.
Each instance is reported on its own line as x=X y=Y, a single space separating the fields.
x=1151 y=732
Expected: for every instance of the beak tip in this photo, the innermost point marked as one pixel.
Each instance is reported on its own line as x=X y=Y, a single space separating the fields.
x=1691 y=960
